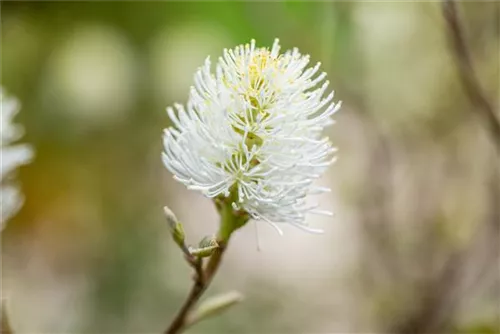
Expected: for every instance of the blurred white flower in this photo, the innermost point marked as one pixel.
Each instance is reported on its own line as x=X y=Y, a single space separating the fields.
x=253 y=131
x=11 y=157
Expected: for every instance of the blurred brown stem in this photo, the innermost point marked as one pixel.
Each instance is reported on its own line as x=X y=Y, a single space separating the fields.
x=201 y=283
x=434 y=313
x=6 y=329
x=467 y=73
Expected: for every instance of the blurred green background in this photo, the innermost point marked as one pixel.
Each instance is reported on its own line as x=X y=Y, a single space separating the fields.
x=412 y=248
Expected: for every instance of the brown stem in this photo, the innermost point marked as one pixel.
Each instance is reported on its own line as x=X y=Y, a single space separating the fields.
x=6 y=329
x=197 y=264
x=201 y=283
x=467 y=74
x=439 y=301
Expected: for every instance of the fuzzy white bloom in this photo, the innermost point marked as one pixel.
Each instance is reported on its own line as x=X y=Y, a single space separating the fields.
x=10 y=158
x=253 y=130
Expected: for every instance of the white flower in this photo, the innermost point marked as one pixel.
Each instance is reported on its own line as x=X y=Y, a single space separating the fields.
x=11 y=157
x=253 y=130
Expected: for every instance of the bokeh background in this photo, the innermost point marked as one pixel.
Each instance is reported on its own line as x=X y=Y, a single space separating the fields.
x=414 y=243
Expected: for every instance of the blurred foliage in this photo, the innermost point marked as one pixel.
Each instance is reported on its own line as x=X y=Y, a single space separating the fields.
x=486 y=328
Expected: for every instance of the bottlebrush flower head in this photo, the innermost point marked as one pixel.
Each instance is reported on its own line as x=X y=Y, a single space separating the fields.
x=251 y=133
x=12 y=156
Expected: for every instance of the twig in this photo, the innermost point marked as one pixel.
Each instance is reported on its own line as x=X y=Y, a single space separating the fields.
x=195 y=262
x=467 y=73
x=435 y=312
x=439 y=296
x=201 y=283
x=5 y=326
